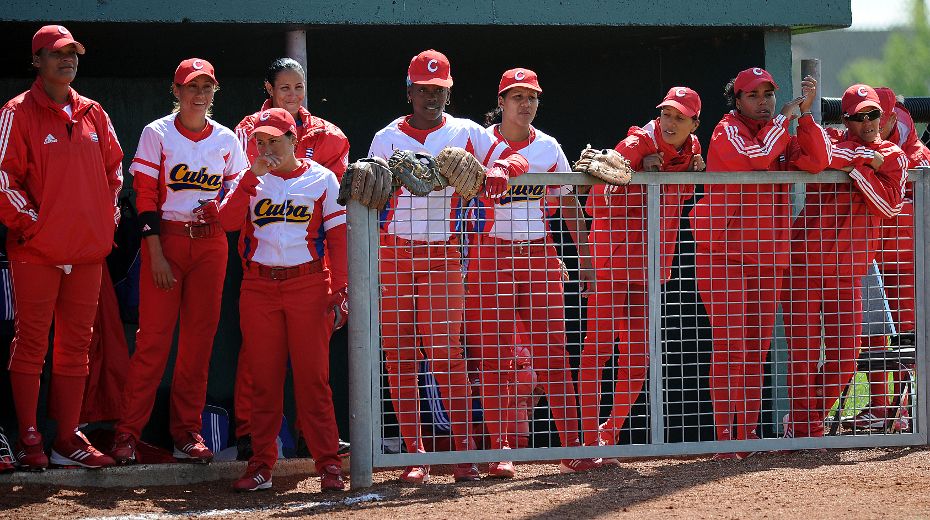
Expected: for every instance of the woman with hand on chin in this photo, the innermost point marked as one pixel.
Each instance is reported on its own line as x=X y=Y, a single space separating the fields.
x=286 y=211
x=183 y=163
x=742 y=234
x=619 y=305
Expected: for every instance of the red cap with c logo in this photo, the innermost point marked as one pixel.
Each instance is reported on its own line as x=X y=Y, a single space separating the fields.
x=430 y=67
x=749 y=79
x=519 y=78
x=684 y=99
x=191 y=68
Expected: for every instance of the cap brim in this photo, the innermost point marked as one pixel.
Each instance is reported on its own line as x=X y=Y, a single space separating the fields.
x=864 y=104
x=196 y=73
x=524 y=85
x=755 y=82
x=271 y=130
x=433 y=81
x=681 y=108
x=64 y=42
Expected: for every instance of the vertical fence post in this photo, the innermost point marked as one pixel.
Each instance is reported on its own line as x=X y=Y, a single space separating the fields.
x=654 y=277
x=921 y=190
x=295 y=43
x=360 y=348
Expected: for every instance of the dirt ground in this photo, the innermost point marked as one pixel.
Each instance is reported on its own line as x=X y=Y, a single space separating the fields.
x=873 y=483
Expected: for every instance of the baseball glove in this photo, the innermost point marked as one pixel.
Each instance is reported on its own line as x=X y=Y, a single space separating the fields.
x=607 y=165
x=417 y=172
x=368 y=181
x=462 y=170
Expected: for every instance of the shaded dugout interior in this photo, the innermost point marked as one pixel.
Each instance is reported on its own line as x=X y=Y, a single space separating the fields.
x=597 y=82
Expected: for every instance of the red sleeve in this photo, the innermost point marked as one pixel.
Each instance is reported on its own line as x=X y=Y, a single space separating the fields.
x=147 y=192
x=337 y=159
x=848 y=154
x=234 y=209
x=634 y=148
x=883 y=189
x=337 y=257
x=514 y=163
x=917 y=153
x=242 y=133
x=17 y=211
x=815 y=148
x=112 y=158
x=734 y=149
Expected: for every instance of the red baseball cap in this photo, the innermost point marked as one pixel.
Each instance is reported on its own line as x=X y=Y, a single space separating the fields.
x=749 y=79
x=519 y=78
x=430 y=67
x=191 y=68
x=274 y=121
x=684 y=99
x=54 y=37
x=887 y=100
x=859 y=96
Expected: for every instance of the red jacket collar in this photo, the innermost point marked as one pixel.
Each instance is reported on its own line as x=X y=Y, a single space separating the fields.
x=78 y=103
x=302 y=112
x=754 y=125
x=515 y=145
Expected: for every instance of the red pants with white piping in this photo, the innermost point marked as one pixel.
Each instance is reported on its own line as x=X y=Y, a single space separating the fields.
x=199 y=266
x=283 y=319
x=741 y=301
x=616 y=310
x=822 y=312
x=422 y=309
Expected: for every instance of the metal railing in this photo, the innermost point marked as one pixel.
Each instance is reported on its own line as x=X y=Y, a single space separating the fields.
x=368 y=408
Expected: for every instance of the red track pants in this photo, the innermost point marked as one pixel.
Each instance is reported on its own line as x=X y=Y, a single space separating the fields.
x=617 y=309
x=518 y=292
x=813 y=390
x=281 y=319
x=199 y=265
x=741 y=301
x=43 y=292
x=422 y=306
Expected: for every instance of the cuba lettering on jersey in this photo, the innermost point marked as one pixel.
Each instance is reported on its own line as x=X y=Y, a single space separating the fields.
x=520 y=213
x=186 y=171
x=429 y=218
x=289 y=217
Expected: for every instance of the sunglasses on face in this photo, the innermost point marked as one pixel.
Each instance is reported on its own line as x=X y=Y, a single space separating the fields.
x=860 y=116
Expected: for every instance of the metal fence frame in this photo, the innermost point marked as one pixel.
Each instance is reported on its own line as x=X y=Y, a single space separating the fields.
x=365 y=389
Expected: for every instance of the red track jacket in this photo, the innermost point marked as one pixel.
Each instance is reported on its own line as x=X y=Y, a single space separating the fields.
x=748 y=221
x=59 y=178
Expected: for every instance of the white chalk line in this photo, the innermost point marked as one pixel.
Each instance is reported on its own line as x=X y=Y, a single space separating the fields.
x=224 y=512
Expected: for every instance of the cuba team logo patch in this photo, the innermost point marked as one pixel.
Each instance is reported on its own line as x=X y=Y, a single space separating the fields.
x=523 y=193
x=183 y=178
x=309 y=153
x=268 y=212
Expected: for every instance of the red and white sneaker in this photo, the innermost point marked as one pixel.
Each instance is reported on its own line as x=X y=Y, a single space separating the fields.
x=605 y=437
x=331 y=479
x=869 y=419
x=124 y=448
x=466 y=472
x=579 y=465
x=415 y=474
x=76 y=450
x=504 y=469
x=30 y=452
x=257 y=476
x=192 y=449
x=902 y=423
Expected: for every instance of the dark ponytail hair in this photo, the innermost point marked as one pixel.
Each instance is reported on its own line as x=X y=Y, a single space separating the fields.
x=729 y=94
x=492 y=117
x=271 y=75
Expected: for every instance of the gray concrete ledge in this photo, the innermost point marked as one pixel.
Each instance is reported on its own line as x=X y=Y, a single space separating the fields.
x=147 y=475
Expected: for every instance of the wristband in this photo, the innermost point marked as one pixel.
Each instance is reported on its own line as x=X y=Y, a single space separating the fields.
x=149 y=223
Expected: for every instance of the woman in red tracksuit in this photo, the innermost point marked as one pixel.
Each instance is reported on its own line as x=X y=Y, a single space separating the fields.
x=60 y=172
x=834 y=240
x=286 y=211
x=183 y=163
x=619 y=305
x=741 y=234
x=317 y=139
x=896 y=262
x=515 y=279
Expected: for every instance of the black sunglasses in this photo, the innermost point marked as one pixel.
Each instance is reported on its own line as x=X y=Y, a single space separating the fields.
x=860 y=116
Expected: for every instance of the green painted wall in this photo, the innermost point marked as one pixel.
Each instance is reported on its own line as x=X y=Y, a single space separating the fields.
x=695 y=13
